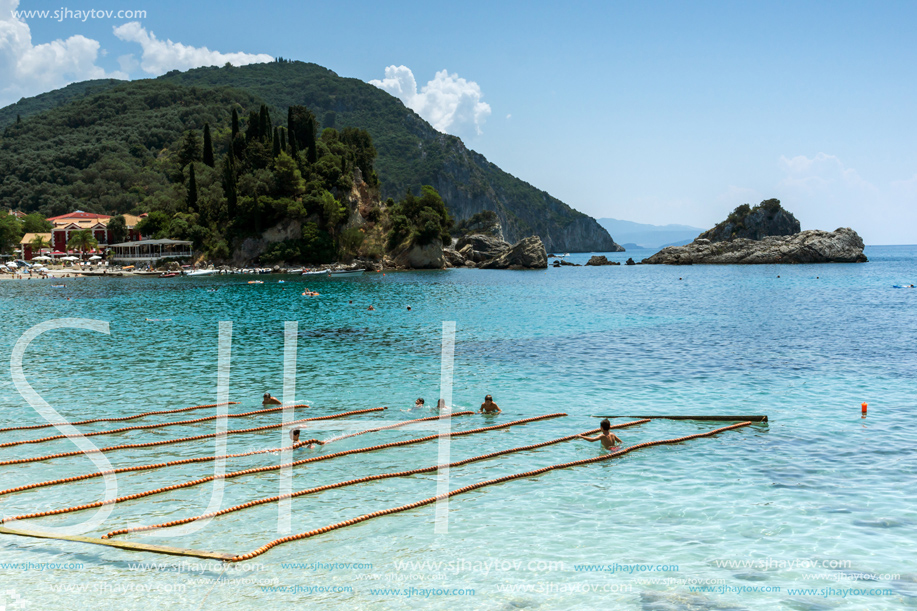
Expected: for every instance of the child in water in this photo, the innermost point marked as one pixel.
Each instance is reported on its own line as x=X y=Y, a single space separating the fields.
x=609 y=440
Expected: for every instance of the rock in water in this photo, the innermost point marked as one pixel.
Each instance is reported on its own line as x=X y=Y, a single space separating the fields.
x=528 y=253
x=600 y=260
x=422 y=257
x=480 y=248
x=842 y=245
x=630 y=261
x=453 y=258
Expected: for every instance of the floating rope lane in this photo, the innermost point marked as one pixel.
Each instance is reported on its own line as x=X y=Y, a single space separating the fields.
x=352 y=482
x=149 y=444
x=210 y=478
x=377 y=514
x=118 y=419
x=151 y=426
x=186 y=461
x=394 y=426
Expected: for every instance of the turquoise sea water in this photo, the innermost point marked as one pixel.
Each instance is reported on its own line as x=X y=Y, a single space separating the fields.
x=809 y=501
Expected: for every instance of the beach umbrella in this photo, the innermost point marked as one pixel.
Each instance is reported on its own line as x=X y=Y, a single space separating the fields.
x=42 y=258
x=94 y=258
x=70 y=258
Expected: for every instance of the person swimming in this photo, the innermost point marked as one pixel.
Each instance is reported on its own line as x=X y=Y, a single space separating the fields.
x=269 y=400
x=419 y=403
x=294 y=435
x=609 y=440
x=489 y=407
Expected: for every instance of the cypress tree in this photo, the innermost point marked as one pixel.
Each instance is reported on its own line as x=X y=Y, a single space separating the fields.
x=264 y=124
x=192 y=191
x=276 y=149
x=311 y=148
x=251 y=131
x=235 y=123
x=283 y=139
x=290 y=127
x=208 y=146
x=18 y=119
x=229 y=183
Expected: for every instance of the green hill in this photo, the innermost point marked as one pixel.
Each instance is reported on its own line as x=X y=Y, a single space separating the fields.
x=96 y=150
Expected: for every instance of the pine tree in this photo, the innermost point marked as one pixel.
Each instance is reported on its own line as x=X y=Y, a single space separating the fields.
x=208 y=146
x=276 y=149
x=190 y=149
x=192 y=191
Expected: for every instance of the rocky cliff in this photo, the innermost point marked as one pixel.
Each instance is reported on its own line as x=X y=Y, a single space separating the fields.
x=470 y=184
x=842 y=245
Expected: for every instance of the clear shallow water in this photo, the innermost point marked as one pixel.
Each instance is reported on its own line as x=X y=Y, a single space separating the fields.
x=817 y=484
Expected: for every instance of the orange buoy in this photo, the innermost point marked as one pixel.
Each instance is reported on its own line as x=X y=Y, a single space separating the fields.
x=863 y=406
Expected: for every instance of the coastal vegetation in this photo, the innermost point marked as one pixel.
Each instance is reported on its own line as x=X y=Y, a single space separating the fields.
x=768 y=218
x=116 y=147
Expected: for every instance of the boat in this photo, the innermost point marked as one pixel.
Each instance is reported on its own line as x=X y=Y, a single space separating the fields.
x=333 y=273
x=168 y=275
x=203 y=272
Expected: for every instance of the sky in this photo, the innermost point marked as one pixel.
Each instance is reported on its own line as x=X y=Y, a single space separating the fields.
x=654 y=112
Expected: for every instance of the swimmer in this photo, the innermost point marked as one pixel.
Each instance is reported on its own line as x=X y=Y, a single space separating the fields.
x=609 y=440
x=370 y=309
x=294 y=435
x=409 y=308
x=269 y=400
x=441 y=404
x=418 y=403
x=489 y=407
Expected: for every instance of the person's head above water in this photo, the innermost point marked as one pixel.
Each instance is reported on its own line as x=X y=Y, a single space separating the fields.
x=605 y=424
x=294 y=435
x=267 y=395
x=489 y=399
x=419 y=401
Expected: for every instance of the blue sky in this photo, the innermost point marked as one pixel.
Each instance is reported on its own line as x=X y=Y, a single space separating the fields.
x=651 y=112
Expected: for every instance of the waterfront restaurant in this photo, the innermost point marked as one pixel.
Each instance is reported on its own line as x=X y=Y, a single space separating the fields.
x=150 y=251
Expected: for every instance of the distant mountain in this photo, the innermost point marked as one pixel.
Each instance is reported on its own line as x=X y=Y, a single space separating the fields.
x=71 y=163
x=649 y=236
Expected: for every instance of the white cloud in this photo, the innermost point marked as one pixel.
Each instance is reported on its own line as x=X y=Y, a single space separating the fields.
x=451 y=104
x=27 y=69
x=160 y=56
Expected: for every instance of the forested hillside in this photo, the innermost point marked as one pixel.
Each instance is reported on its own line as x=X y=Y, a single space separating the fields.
x=103 y=152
